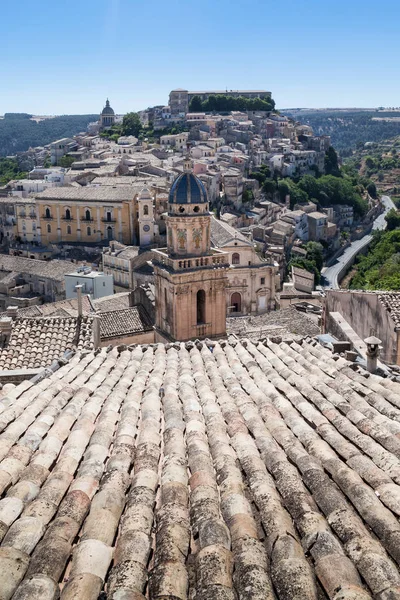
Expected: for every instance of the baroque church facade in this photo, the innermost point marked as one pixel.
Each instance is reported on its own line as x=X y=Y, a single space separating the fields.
x=190 y=275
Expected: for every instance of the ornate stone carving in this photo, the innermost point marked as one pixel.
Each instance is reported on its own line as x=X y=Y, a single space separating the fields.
x=197 y=236
x=182 y=237
x=182 y=289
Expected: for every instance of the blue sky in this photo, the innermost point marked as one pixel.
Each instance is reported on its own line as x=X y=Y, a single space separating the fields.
x=67 y=56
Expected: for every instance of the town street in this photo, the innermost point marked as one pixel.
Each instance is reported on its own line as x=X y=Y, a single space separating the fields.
x=330 y=274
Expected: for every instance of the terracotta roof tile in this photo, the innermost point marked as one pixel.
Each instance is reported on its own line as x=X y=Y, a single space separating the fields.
x=35 y=343
x=123 y=322
x=211 y=470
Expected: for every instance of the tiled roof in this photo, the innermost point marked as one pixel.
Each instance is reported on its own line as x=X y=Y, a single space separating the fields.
x=391 y=301
x=35 y=343
x=123 y=322
x=113 y=302
x=68 y=308
x=302 y=277
x=222 y=233
x=54 y=269
x=297 y=271
x=186 y=471
x=88 y=193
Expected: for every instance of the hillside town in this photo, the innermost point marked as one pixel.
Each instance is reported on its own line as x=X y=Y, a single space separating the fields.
x=190 y=407
x=123 y=233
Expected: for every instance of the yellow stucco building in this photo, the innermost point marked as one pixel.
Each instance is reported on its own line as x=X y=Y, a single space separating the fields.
x=86 y=214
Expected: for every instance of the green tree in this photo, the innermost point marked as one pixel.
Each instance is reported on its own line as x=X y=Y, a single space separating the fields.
x=371 y=189
x=269 y=187
x=380 y=268
x=331 y=162
x=370 y=162
x=392 y=219
x=247 y=196
x=66 y=161
x=195 y=104
x=131 y=124
x=310 y=185
x=9 y=170
x=283 y=189
x=315 y=254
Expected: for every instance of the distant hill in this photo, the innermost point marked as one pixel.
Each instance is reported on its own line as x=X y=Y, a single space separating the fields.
x=18 y=132
x=349 y=128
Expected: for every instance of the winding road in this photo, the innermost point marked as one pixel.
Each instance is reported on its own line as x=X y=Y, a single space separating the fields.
x=331 y=274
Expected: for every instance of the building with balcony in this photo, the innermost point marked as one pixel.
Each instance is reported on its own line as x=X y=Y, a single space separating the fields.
x=190 y=275
x=86 y=215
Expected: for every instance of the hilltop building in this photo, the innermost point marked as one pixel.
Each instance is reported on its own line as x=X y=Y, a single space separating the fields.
x=107 y=116
x=190 y=276
x=179 y=99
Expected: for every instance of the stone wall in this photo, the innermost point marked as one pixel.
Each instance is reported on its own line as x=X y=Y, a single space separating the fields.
x=366 y=315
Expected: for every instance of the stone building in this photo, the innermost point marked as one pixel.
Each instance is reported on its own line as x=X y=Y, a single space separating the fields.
x=107 y=116
x=251 y=280
x=190 y=275
x=179 y=99
x=129 y=266
x=85 y=214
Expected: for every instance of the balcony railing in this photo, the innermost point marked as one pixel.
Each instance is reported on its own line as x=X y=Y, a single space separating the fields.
x=47 y=217
x=84 y=220
x=109 y=220
x=216 y=259
x=67 y=218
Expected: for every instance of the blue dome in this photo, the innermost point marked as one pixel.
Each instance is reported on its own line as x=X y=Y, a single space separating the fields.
x=187 y=189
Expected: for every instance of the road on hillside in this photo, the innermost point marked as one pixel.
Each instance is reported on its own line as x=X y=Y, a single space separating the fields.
x=330 y=274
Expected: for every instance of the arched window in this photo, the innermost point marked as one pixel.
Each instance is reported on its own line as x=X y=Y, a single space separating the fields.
x=201 y=307
x=145 y=210
x=108 y=216
x=236 y=258
x=68 y=214
x=109 y=233
x=47 y=213
x=89 y=231
x=87 y=216
x=48 y=228
x=68 y=229
x=236 y=302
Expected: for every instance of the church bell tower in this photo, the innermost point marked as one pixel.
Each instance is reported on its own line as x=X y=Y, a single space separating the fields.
x=190 y=276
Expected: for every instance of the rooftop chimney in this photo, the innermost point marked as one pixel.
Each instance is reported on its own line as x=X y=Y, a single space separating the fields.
x=79 y=295
x=5 y=329
x=372 y=352
x=96 y=331
x=12 y=311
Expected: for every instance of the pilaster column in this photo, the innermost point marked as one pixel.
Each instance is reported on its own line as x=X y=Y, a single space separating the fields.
x=119 y=224
x=58 y=222
x=99 y=231
x=78 y=225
